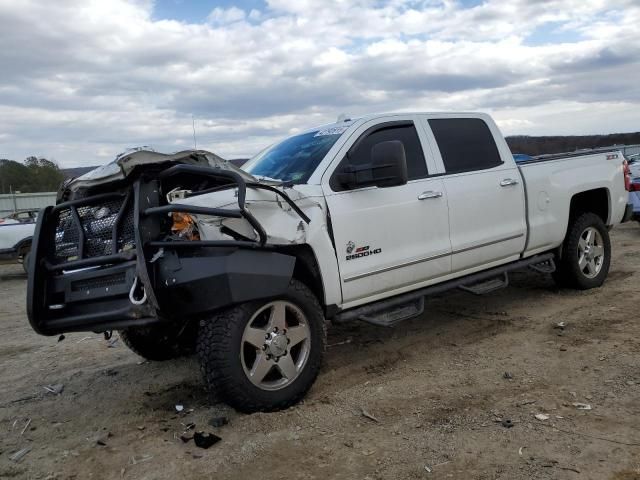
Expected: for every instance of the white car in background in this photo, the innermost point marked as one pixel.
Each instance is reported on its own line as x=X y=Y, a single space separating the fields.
x=16 y=232
x=634 y=165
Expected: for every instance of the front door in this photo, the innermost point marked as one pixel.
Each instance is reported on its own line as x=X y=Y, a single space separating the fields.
x=388 y=239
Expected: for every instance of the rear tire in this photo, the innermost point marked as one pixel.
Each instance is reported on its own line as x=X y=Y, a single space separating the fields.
x=159 y=343
x=264 y=355
x=586 y=254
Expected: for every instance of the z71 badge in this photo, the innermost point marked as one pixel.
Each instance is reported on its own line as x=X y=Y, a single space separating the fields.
x=354 y=252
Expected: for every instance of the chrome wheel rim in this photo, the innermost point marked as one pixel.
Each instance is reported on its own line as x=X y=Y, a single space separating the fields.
x=590 y=252
x=275 y=345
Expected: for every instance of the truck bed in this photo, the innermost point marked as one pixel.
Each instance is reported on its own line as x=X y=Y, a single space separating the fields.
x=551 y=182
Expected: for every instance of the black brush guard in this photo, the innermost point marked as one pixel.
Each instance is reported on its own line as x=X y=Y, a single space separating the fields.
x=88 y=273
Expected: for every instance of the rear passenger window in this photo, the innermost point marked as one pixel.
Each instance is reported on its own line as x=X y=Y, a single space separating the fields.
x=465 y=144
x=416 y=164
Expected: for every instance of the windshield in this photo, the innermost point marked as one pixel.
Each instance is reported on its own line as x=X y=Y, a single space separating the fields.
x=296 y=158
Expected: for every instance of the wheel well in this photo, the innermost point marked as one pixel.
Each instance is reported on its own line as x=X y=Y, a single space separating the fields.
x=306 y=269
x=593 y=201
x=23 y=247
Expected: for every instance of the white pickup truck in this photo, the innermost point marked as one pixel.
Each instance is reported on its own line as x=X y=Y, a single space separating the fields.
x=16 y=231
x=358 y=220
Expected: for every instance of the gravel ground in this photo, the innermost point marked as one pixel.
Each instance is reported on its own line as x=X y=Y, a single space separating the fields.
x=453 y=394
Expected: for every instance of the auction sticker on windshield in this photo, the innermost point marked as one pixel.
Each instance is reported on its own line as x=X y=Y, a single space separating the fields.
x=331 y=131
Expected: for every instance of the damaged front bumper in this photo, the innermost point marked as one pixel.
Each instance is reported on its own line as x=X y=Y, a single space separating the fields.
x=107 y=260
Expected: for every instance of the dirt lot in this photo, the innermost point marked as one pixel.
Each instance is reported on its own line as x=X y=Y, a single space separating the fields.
x=436 y=386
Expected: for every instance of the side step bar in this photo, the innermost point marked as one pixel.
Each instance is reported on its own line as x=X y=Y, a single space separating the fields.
x=487 y=286
x=390 y=311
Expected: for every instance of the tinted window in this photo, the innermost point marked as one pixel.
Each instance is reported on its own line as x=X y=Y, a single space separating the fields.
x=416 y=165
x=465 y=144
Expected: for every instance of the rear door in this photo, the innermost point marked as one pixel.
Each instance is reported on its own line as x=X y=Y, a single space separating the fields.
x=484 y=190
x=388 y=239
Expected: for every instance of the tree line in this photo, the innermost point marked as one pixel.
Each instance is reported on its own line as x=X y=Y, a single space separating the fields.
x=561 y=144
x=32 y=175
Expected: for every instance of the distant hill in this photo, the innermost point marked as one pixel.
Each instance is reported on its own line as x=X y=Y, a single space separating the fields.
x=557 y=144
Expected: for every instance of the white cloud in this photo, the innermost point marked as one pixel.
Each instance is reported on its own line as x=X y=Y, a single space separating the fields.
x=83 y=79
x=223 y=16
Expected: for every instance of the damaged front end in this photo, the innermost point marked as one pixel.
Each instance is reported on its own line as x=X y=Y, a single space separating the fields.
x=122 y=246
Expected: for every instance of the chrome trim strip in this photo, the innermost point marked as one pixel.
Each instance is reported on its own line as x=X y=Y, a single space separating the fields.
x=427 y=259
x=394 y=267
x=506 y=239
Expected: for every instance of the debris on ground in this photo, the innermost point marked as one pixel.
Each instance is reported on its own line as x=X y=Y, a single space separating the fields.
x=344 y=342
x=507 y=423
x=186 y=436
x=366 y=414
x=507 y=375
x=581 y=406
x=25 y=427
x=101 y=439
x=427 y=468
x=61 y=337
x=520 y=451
x=218 y=421
x=541 y=416
x=560 y=325
x=55 y=389
x=179 y=408
x=19 y=455
x=112 y=343
x=142 y=458
x=205 y=440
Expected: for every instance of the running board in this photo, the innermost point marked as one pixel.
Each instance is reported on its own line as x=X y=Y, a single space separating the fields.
x=548 y=266
x=487 y=286
x=388 y=318
x=392 y=310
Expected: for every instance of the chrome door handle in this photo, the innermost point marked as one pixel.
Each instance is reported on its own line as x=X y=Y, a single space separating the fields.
x=429 y=194
x=508 y=181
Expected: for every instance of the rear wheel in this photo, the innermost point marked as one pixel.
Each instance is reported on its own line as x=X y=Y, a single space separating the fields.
x=586 y=254
x=160 y=342
x=264 y=355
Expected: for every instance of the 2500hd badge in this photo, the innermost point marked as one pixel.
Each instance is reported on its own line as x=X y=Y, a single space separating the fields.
x=359 y=252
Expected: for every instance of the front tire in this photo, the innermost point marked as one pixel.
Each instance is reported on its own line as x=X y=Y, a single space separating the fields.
x=586 y=254
x=25 y=262
x=264 y=355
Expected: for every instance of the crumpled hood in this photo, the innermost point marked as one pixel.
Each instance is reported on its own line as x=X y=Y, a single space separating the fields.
x=124 y=164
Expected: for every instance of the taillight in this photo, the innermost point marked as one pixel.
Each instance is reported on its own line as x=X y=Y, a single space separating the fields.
x=634 y=187
x=626 y=171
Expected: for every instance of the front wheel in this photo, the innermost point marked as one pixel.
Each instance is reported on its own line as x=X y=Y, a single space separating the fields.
x=586 y=254
x=264 y=355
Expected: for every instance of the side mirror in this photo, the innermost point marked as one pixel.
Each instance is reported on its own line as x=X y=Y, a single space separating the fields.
x=389 y=163
x=388 y=167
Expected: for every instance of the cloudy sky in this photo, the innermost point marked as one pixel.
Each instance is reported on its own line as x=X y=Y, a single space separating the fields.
x=82 y=80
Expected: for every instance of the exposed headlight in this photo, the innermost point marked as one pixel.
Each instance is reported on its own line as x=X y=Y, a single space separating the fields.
x=100 y=213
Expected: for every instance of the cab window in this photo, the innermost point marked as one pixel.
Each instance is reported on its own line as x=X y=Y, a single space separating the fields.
x=361 y=152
